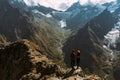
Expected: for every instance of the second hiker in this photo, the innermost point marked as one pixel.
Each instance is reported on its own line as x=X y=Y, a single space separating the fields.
x=73 y=58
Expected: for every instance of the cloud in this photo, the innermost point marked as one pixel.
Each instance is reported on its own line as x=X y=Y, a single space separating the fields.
x=63 y=4
x=55 y=4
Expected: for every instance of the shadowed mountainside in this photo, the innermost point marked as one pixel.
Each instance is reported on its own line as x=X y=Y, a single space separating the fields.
x=89 y=40
x=18 y=24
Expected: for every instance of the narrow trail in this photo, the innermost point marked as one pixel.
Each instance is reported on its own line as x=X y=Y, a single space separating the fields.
x=60 y=46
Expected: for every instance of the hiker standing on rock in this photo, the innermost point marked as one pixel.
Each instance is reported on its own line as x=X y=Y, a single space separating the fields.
x=78 y=58
x=73 y=58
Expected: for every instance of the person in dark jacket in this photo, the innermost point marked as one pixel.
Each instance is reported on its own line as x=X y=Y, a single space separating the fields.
x=73 y=58
x=78 y=58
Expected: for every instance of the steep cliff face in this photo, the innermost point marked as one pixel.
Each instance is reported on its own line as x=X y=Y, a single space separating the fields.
x=89 y=40
x=24 y=60
x=117 y=15
x=12 y=21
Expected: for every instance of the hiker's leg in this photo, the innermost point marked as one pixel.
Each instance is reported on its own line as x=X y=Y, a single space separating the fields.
x=78 y=62
x=72 y=63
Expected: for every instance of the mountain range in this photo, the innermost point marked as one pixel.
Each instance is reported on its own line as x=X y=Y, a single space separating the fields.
x=90 y=28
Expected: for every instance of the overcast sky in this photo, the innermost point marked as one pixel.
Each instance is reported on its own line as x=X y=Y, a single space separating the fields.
x=64 y=4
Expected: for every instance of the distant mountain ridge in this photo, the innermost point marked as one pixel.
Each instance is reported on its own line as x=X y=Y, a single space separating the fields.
x=22 y=5
x=82 y=14
x=77 y=15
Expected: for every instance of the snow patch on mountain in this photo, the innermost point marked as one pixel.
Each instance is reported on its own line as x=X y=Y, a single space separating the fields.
x=48 y=15
x=110 y=40
x=30 y=2
x=112 y=36
x=62 y=23
x=38 y=12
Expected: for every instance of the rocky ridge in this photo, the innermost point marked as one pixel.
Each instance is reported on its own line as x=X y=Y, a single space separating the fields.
x=24 y=60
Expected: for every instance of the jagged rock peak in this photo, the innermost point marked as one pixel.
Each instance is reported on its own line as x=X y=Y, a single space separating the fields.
x=28 y=44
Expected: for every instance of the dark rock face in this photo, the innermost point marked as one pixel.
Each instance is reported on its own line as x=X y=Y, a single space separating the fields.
x=118 y=44
x=117 y=74
x=89 y=40
x=116 y=14
x=102 y=24
x=13 y=21
x=116 y=65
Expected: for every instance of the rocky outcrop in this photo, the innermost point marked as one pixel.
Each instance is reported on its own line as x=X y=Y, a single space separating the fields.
x=24 y=60
x=15 y=60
